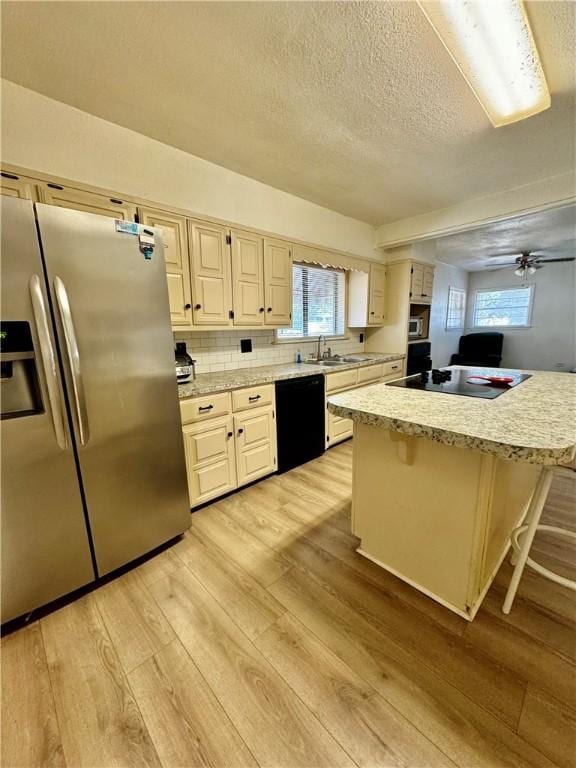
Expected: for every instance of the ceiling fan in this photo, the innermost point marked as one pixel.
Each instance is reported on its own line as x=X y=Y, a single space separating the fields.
x=526 y=263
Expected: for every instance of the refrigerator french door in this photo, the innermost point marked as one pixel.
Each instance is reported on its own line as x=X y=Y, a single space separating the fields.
x=93 y=471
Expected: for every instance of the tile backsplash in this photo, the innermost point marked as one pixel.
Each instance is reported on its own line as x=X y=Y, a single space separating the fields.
x=220 y=350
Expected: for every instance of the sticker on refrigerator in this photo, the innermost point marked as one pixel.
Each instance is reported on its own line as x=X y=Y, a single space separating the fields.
x=127 y=227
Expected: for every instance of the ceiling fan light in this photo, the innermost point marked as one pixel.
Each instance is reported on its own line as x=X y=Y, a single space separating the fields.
x=492 y=45
x=531 y=269
x=520 y=271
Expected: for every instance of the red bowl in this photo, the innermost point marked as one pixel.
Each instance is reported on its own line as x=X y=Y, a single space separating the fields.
x=496 y=381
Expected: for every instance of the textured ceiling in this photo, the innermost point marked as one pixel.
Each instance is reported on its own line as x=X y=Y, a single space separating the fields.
x=355 y=106
x=551 y=232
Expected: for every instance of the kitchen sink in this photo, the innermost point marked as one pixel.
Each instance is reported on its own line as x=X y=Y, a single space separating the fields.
x=327 y=363
x=334 y=361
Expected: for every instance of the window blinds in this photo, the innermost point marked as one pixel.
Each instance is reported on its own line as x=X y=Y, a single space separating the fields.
x=456 y=314
x=317 y=303
x=503 y=307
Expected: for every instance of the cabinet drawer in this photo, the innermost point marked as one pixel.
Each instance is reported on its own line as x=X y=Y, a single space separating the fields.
x=341 y=380
x=207 y=407
x=253 y=397
x=370 y=373
x=395 y=367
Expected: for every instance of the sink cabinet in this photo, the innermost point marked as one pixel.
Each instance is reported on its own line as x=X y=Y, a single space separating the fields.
x=337 y=428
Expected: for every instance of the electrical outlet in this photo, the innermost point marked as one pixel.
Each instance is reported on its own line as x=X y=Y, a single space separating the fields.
x=245 y=345
x=361 y=338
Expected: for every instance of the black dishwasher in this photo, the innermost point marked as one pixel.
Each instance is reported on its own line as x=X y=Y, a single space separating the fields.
x=300 y=409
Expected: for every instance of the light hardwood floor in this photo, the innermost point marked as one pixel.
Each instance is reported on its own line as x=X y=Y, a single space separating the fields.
x=262 y=638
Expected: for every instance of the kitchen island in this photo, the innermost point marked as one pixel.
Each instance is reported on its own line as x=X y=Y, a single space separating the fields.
x=440 y=481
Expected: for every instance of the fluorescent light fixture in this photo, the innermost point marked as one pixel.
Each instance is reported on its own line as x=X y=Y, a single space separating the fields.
x=492 y=45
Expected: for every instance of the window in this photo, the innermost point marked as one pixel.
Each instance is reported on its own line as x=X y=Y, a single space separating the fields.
x=510 y=307
x=317 y=303
x=456 y=313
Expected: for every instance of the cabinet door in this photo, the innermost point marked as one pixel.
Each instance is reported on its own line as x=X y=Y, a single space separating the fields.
x=90 y=202
x=277 y=282
x=338 y=429
x=210 y=459
x=210 y=264
x=175 y=241
x=427 y=283
x=377 y=297
x=417 y=282
x=14 y=185
x=247 y=278
x=255 y=444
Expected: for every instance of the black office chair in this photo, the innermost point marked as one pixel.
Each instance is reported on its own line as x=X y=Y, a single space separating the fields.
x=482 y=349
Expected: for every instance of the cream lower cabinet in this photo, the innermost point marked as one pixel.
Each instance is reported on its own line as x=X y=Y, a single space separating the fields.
x=210 y=459
x=229 y=440
x=255 y=444
x=337 y=428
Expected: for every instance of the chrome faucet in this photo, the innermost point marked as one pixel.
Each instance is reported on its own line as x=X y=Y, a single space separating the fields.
x=320 y=340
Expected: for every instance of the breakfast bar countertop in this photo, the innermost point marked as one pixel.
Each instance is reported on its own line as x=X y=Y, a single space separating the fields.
x=534 y=422
x=223 y=381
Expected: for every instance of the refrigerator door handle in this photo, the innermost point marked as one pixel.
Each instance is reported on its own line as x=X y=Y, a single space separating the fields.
x=73 y=359
x=49 y=362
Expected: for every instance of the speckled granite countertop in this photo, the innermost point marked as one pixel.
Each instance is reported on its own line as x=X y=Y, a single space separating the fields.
x=222 y=381
x=533 y=422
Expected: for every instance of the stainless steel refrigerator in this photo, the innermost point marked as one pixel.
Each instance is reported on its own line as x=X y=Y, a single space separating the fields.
x=93 y=471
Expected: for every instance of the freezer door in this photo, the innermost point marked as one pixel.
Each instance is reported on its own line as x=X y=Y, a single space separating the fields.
x=45 y=550
x=113 y=325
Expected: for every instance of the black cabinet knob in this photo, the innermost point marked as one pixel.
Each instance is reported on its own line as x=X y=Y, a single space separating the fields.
x=261 y=309
x=240 y=431
x=269 y=309
x=230 y=434
x=187 y=306
x=198 y=306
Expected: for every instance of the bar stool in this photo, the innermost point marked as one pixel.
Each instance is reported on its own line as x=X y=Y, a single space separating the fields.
x=523 y=536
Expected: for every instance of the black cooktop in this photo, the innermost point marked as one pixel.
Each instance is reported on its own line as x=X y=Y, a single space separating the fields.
x=458 y=382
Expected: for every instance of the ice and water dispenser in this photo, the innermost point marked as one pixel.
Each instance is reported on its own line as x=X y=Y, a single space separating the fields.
x=20 y=390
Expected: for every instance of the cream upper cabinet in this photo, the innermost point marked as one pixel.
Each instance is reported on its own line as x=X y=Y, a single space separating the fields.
x=90 y=202
x=247 y=278
x=367 y=297
x=14 y=185
x=421 y=283
x=210 y=267
x=255 y=444
x=277 y=282
x=175 y=241
x=377 y=294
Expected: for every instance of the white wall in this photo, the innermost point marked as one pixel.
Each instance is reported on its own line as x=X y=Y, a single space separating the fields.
x=550 y=342
x=444 y=342
x=45 y=135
